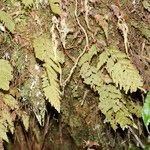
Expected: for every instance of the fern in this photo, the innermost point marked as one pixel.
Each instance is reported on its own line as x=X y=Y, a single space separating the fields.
x=55 y=6
x=123 y=73
x=10 y=102
x=7 y=20
x=114 y=104
x=134 y=108
x=91 y=76
x=9 y=110
x=25 y=119
x=44 y=52
x=7 y=105
x=27 y=3
x=5 y=74
x=88 y=56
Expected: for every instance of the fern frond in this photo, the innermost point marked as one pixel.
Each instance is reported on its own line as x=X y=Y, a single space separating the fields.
x=91 y=76
x=27 y=3
x=55 y=6
x=6 y=118
x=134 y=108
x=25 y=119
x=9 y=109
x=88 y=56
x=44 y=52
x=10 y=102
x=5 y=74
x=113 y=106
x=51 y=88
x=7 y=20
x=123 y=73
x=4 y=130
x=102 y=60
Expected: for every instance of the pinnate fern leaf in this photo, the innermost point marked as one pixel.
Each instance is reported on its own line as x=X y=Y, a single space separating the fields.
x=25 y=119
x=123 y=73
x=44 y=52
x=114 y=104
x=55 y=6
x=7 y=20
x=90 y=75
x=88 y=56
x=27 y=2
x=5 y=74
x=9 y=110
x=10 y=102
x=51 y=88
x=7 y=105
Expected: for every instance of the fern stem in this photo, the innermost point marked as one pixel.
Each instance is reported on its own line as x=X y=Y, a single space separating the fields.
x=136 y=137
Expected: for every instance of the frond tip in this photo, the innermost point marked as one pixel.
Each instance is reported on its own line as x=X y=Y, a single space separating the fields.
x=5 y=74
x=7 y=20
x=113 y=106
x=44 y=52
x=123 y=73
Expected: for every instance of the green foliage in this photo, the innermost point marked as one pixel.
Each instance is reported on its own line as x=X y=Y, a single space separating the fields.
x=146 y=5
x=88 y=56
x=55 y=6
x=27 y=3
x=145 y=30
x=10 y=102
x=146 y=110
x=9 y=110
x=25 y=119
x=123 y=73
x=118 y=109
x=114 y=104
x=7 y=20
x=7 y=105
x=5 y=74
x=44 y=52
x=134 y=108
x=91 y=75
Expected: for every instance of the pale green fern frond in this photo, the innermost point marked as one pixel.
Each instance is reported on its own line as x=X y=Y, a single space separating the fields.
x=4 y=130
x=55 y=6
x=25 y=119
x=113 y=106
x=11 y=102
x=7 y=20
x=6 y=117
x=27 y=3
x=90 y=75
x=9 y=109
x=88 y=56
x=102 y=60
x=42 y=48
x=51 y=88
x=134 y=108
x=44 y=52
x=5 y=74
x=123 y=73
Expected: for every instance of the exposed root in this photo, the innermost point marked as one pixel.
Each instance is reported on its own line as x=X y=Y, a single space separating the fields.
x=84 y=50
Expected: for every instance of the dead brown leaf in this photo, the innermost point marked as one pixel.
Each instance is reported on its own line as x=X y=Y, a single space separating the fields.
x=103 y=23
